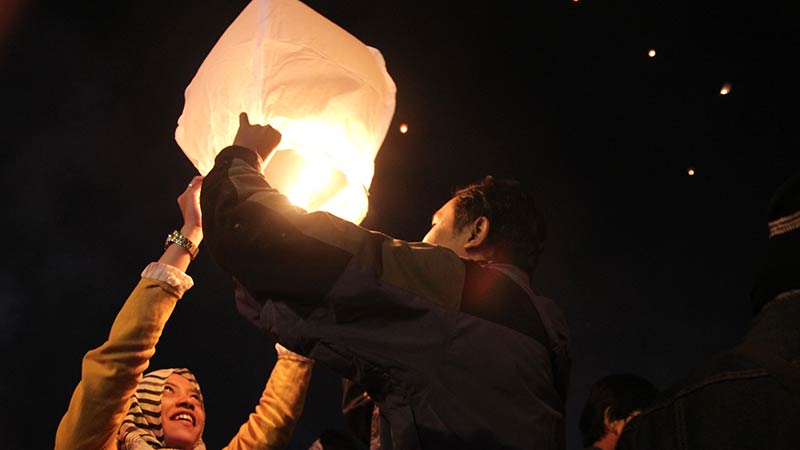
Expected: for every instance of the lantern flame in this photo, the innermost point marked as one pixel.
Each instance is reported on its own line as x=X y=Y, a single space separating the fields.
x=315 y=184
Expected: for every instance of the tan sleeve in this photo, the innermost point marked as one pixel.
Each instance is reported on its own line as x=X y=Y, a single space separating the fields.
x=111 y=372
x=271 y=425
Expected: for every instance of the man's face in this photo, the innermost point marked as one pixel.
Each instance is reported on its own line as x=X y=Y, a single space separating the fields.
x=443 y=231
x=183 y=413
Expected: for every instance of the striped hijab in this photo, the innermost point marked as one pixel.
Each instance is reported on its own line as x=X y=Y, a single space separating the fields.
x=141 y=428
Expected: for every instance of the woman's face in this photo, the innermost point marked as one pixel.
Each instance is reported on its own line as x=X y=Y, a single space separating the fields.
x=183 y=414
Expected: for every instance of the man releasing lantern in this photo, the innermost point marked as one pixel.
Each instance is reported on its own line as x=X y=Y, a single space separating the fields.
x=328 y=94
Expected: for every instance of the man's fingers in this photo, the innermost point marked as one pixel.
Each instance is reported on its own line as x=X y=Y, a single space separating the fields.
x=243 y=120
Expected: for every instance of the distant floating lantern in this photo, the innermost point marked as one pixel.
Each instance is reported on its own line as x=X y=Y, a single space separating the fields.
x=404 y=128
x=690 y=171
x=328 y=94
x=725 y=89
x=651 y=53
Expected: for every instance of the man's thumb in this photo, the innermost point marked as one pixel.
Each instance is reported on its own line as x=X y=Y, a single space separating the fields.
x=243 y=120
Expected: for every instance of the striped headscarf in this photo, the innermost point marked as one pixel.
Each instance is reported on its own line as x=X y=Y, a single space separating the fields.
x=141 y=428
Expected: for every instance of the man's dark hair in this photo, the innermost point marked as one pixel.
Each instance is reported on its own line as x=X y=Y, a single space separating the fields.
x=517 y=227
x=622 y=394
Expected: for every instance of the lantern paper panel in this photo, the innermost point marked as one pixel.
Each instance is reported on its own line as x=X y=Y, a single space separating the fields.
x=328 y=93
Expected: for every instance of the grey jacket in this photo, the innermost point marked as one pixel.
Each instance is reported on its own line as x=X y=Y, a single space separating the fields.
x=456 y=354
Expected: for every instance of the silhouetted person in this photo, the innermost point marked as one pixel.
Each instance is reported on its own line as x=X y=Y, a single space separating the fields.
x=613 y=401
x=749 y=396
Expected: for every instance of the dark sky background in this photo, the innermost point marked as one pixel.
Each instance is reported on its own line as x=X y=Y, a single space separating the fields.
x=652 y=266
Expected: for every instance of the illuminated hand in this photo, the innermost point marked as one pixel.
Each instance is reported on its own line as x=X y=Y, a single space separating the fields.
x=283 y=351
x=189 y=203
x=260 y=139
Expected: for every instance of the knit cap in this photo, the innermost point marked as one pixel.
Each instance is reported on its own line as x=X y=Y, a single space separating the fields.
x=780 y=267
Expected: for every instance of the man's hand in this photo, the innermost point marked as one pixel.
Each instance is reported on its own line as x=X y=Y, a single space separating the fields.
x=260 y=139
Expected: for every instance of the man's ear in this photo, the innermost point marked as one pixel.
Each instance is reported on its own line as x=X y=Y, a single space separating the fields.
x=478 y=233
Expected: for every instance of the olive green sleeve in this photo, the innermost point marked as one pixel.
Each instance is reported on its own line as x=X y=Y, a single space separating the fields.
x=111 y=372
x=272 y=423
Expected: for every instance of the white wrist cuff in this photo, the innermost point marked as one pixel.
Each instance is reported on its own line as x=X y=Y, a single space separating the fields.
x=170 y=275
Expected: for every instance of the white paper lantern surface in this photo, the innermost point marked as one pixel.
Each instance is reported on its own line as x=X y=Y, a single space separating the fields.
x=328 y=93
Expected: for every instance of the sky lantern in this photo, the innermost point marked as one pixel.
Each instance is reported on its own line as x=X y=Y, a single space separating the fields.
x=328 y=93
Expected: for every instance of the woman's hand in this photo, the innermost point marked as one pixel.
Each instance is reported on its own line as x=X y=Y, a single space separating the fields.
x=189 y=203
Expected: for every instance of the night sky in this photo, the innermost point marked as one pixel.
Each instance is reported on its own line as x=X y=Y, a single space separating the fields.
x=653 y=266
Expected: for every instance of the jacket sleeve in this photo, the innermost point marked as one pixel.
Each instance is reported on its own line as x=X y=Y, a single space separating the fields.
x=111 y=372
x=279 y=251
x=271 y=425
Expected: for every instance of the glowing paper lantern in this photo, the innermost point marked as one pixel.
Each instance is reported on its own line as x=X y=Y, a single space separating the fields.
x=328 y=94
